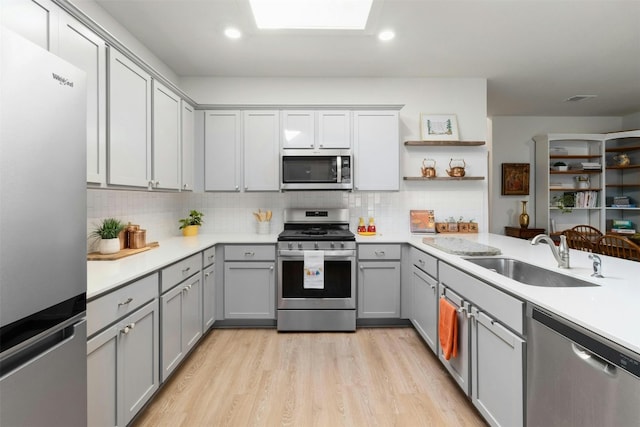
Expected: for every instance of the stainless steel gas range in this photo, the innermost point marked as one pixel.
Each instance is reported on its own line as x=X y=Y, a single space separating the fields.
x=316 y=271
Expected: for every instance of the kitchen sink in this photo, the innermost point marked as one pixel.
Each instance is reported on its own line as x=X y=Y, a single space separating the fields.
x=528 y=274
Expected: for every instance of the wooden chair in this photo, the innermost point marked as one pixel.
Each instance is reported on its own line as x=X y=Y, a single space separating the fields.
x=591 y=233
x=618 y=246
x=579 y=241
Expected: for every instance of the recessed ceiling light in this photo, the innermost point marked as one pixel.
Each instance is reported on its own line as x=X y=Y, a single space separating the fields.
x=311 y=14
x=386 y=35
x=232 y=33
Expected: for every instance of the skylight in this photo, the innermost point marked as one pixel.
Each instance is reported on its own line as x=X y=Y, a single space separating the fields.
x=311 y=14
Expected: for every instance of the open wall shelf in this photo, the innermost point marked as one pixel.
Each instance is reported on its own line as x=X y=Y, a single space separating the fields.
x=443 y=143
x=444 y=178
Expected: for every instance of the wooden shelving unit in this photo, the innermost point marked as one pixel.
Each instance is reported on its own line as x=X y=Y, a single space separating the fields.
x=444 y=143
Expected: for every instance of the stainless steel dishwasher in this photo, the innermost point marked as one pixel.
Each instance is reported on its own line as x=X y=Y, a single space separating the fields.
x=576 y=378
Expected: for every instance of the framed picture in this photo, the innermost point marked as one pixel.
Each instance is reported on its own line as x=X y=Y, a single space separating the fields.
x=422 y=221
x=438 y=127
x=515 y=179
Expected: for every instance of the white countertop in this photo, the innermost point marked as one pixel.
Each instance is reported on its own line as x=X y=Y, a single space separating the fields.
x=609 y=309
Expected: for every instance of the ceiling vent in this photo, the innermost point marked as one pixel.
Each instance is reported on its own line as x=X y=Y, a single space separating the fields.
x=578 y=98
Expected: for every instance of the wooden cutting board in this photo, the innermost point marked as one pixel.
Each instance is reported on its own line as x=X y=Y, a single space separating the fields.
x=97 y=256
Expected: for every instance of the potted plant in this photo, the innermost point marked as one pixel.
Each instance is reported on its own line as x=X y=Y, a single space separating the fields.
x=565 y=202
x=561 y=166
x=190 y=224
x=108 y=232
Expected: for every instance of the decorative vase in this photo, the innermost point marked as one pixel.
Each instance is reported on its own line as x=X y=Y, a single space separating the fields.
x=190 y=230
x=524 y=216
x=109 y=246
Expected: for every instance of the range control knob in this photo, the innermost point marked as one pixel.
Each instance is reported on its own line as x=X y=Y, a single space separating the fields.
x=290 y=245
x=342 y=245
x=333 y=245
x=299 y=245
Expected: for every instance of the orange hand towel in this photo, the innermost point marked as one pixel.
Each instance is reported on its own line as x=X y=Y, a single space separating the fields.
x=448 y=329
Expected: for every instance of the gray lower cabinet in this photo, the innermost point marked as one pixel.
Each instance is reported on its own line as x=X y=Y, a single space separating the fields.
x=492 y=349
x=249 y=290
x=181 y=309
x=208 y=288
x=250 y=282
x=379 y=281
x=425 y=306
x=424 y=286
x=122 y=367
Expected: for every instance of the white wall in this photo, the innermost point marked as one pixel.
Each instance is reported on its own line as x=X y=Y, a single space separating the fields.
x=464 y=97
x=512 y=143
x=632 y=121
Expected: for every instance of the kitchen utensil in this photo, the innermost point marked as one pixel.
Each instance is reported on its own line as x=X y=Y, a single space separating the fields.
x=428 y=170
x=456 y=171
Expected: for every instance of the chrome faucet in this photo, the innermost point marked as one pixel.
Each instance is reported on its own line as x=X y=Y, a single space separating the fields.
x=561 y=254
x=597 y=266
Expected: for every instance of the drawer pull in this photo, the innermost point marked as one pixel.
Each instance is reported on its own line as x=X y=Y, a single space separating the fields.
x=271 y=268
x=207 y=274
x=380 y=253
x=210 y=257
x=186 y=270
x=249 y=253
x=125 y=302
x=421 y=261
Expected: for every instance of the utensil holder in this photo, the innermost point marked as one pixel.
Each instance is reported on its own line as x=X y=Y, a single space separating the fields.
x=263 y=227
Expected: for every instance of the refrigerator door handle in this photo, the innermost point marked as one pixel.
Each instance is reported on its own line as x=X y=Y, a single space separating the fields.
x=46 y=344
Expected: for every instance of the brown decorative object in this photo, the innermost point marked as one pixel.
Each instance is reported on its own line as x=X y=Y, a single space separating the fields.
x=523 y=219
x=428 y=168
x=137 y=239
x=456 y=227
x=97 y=256
x=515 y=179
x=456 y=171
x=523 y=233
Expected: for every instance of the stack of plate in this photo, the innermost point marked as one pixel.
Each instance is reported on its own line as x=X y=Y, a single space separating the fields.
x=591 y=166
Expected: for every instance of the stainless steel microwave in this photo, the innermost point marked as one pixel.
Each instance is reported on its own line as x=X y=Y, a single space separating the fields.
x=316 y=170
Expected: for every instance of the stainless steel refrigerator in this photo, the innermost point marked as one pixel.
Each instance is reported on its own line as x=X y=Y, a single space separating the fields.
x=43 y=368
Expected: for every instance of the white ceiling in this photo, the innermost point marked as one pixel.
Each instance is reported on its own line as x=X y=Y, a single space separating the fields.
x=534 y=54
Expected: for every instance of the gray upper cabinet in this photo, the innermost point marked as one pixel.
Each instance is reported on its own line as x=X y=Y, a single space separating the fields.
x=376 y=137
x=298 y=129
x=166 y=138
x=261 y=150
x=35 y=20
x=129 y=143
x=334 y=129
x=84 y=49
x=188 y=146
x=222 y=150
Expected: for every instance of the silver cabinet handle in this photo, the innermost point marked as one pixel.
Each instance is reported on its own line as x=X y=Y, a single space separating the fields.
x=128 y=328
x=421 y=261
x=361 y=267
x=207 y=274
x=249 y=253
x=210 y=257
x=157 y=184
x=125 y=302
x=185 y=186
x=380 y=253
x=271 y=268
x=237 y=188
x=432 y=286
x=186 y=270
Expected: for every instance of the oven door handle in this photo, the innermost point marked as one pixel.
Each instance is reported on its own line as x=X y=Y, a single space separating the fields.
x=283 y=253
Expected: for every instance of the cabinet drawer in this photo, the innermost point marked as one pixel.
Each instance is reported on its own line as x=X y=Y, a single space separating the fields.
x=379 y=252
x=425 y=262
x=115 y=305
x=250 y=253
x=179 y=271
x=506 y=309
x=209 y=256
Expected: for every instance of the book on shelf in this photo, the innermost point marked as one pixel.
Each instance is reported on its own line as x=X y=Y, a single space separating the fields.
x=623 y=230
x=621 y=223
x=628 y=205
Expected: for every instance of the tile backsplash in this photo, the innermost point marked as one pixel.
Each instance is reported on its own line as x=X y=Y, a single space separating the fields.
x=158 y=213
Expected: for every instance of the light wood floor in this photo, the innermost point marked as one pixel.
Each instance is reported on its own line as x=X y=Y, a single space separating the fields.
x=259 y=377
